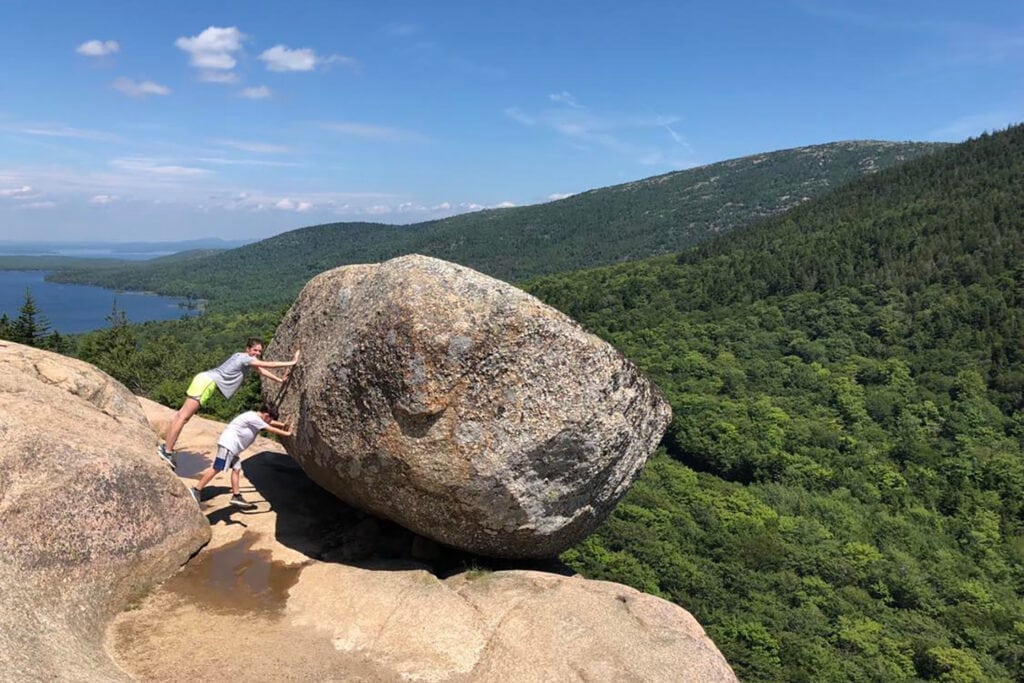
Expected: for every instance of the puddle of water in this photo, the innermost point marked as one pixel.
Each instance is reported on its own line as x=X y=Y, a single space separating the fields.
x=236 y=578
x=190 y=464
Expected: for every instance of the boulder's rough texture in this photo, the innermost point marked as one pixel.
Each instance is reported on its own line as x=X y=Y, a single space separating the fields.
x=461 y=407
x=91 y=517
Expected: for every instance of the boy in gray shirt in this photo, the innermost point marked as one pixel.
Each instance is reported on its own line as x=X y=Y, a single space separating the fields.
x=227 y=377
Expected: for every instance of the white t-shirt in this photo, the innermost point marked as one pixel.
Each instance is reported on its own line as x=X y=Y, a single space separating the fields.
x=241 y=432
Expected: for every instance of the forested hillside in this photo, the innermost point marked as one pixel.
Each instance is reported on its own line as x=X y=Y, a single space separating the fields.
x=661 y=214
x=841 y=494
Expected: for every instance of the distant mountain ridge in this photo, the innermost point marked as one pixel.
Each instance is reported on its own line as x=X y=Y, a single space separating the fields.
x=656 y=215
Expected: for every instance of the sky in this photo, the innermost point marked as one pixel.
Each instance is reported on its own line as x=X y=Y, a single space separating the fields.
x=156 y=121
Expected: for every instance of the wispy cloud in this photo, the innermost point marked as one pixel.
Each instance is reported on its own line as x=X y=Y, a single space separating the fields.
x=16 y=192
x=565 y=98
x=949 y=43
x=157 y=167
x=258 y=92
x=221 y=161
x=38 y=205
x=253 y=146
x=57 y=130
x=370 y=131
x=970 y=126
x=213 y=52
x=402 y=29
x=98 y=48
x=102 y=199
x=282 y=59
x=139 y=89
x=555 y=196
x=628 y=135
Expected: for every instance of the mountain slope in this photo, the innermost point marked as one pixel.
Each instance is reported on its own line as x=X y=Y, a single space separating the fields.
x=657 y=215
x=842 y=496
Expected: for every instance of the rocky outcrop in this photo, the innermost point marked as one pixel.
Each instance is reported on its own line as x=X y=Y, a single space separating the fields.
x=461 y=407
x=311 y=589
x=91 y=517
x=503 y=626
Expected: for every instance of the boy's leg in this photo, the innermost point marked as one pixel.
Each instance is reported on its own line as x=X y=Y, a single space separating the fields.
x=236 y=498
x=208 y=474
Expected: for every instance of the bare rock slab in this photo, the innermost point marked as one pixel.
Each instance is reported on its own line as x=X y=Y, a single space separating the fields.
x=91 y=517
x=461 y=407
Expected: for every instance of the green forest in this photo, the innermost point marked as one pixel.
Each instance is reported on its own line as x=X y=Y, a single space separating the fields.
x=840 y=495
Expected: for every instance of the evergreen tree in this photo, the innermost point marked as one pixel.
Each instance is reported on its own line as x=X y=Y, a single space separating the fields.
x=115 y=350
x=5 y=327
x=31 y=326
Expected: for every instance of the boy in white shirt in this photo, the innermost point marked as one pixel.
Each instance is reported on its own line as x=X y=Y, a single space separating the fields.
x=236 y=437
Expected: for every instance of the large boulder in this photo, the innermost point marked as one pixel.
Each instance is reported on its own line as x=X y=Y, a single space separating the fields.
x=461 y=407
x=91 y=517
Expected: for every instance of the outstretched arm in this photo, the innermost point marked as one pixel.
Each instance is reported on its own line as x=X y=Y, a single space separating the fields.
x=283 y=430
x=257 y=363
x=269 y=375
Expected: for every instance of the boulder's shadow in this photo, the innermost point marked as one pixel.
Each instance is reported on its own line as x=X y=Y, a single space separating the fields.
x=317 y=524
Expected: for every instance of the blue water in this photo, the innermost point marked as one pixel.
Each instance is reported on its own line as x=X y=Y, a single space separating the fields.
x=80 y=308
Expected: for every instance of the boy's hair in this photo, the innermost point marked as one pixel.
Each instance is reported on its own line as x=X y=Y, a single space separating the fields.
x=253 y=341
x=269 y=411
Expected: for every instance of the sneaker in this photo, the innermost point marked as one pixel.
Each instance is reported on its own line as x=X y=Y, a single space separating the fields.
x=168 y=458
x=242 y=503
x=196 y=494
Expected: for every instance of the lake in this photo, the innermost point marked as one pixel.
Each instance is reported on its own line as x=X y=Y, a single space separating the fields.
x=80 y=308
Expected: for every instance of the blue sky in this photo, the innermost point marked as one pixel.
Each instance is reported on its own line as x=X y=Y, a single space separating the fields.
x=161 y=121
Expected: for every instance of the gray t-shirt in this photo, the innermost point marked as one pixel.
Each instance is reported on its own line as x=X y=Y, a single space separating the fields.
x=241 y=432
x=231 y=372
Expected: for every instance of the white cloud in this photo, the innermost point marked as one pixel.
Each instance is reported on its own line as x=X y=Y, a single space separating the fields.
x=287 y=204
x=98 y=48
x=372 y=131
x=259 y=92
x=401 y=30
x=102 y=199
x=517 y=115
x=504 y=205
x=970 y=126
x=565 y=98
x=282 y=58
x=213 y=52
x=631 y=136
x=255 y=147
x=59 y=130
x=225 y=77
x=555 y=196
x=139 y=89
x=156 y=167
x=16 y=192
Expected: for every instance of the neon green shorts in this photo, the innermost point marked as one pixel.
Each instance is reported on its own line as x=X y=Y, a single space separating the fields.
x=202 y=388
